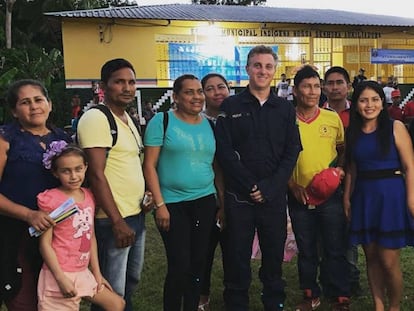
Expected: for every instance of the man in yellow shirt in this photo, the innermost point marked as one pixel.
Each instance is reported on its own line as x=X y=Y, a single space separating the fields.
x=116 y=180
x=317 y=214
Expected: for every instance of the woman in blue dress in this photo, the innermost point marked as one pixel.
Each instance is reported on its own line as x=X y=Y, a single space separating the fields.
x=379 y=191
x=22 y=177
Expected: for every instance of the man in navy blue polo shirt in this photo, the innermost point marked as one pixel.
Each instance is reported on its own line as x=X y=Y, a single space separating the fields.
x=257 y=146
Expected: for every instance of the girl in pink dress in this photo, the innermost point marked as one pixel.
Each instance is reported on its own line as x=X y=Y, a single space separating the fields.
x=70 y=270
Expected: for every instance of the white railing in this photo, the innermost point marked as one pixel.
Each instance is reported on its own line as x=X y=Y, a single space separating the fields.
x=407 y=98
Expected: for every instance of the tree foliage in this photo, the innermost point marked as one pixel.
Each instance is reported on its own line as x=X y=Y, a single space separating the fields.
x=36 y=47
x=230 y=2
x=32 y=62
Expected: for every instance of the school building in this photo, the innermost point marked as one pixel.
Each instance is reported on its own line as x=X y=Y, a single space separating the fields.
x=165 y=41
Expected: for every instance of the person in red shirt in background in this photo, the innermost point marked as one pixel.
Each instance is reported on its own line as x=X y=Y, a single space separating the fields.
x=336 y=87
x=76 y=105
x=394 y=110
x=408 y=112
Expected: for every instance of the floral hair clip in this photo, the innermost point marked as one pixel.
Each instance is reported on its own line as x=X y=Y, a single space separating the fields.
x=55 y=149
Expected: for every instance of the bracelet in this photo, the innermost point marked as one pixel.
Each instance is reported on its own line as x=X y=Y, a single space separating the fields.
x=160 y=204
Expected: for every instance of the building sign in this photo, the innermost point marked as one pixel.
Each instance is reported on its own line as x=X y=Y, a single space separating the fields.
x=276 y=32
x=387 y=56
x=319 y=34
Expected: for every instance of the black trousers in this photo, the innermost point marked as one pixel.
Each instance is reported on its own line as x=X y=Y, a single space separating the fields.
x=186 y=245
x=242 y=219
x=217 y=237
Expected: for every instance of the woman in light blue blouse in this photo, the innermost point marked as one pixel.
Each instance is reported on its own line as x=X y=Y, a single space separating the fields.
x=178 y=168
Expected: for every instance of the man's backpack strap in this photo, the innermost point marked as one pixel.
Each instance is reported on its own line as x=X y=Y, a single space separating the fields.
x=111 y=120
x=137 y=125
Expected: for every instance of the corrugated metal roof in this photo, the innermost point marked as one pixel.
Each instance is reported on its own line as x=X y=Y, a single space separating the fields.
x=198 y=12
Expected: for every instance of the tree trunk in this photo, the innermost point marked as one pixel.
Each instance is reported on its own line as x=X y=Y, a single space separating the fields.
x=9 y=9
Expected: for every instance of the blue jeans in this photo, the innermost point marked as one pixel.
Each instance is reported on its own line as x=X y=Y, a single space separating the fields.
x=325 y=223
x=122 y=267
x=242 y=219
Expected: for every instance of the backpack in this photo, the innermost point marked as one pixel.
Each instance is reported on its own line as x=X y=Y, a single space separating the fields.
x=112 y=124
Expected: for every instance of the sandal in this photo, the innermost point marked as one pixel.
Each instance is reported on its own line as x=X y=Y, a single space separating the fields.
x=204 y=306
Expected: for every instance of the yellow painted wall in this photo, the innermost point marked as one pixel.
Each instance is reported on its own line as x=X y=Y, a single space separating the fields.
x=88 y=43
x=84 y=53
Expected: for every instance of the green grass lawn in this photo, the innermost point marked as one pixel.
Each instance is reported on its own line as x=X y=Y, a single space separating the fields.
x=148 y=296
x=149 y=293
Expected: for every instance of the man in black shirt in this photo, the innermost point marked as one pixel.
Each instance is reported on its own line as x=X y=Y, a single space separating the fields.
x=257 y=146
